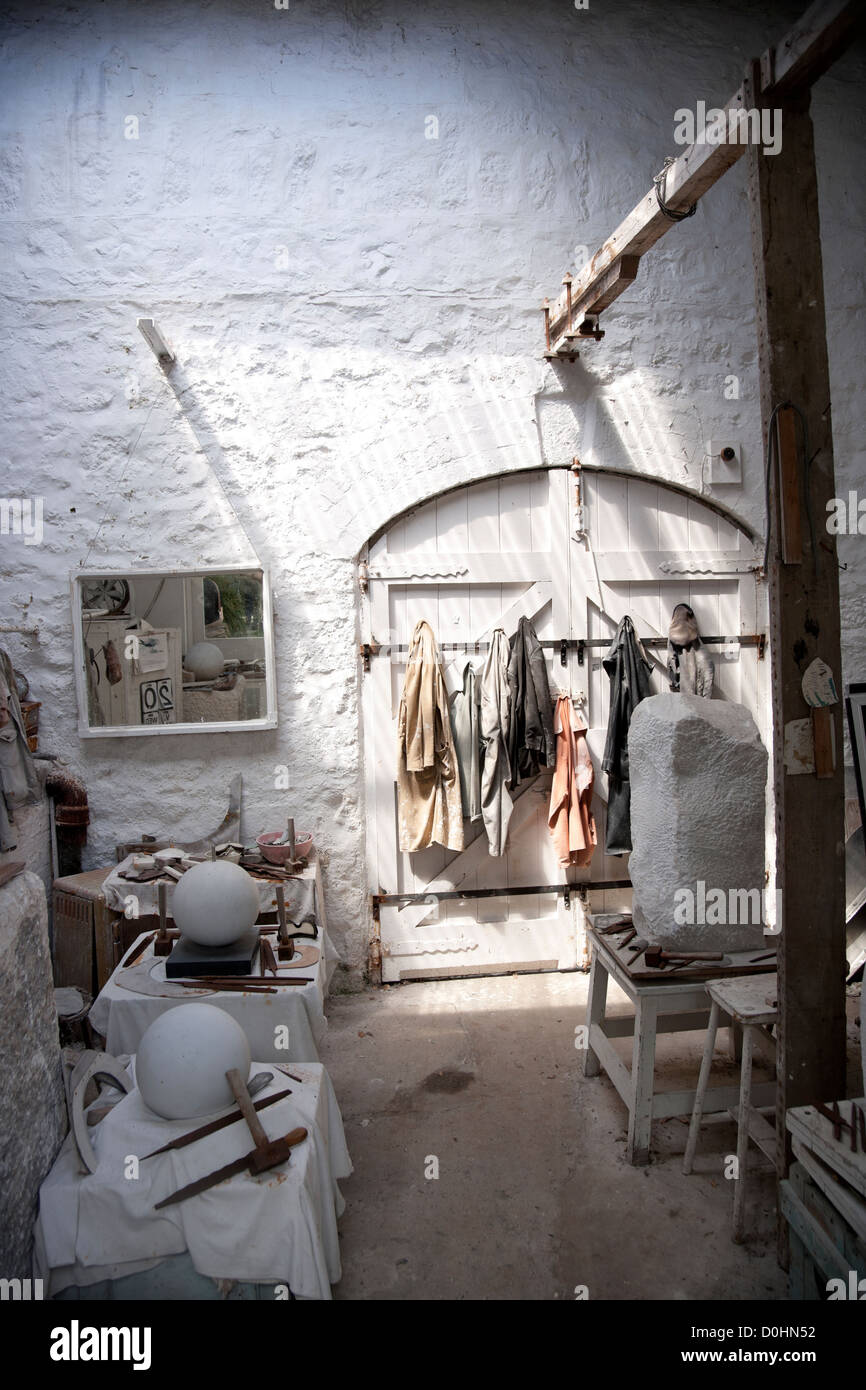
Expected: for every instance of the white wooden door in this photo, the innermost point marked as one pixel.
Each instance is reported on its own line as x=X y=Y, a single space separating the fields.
x=478 y=558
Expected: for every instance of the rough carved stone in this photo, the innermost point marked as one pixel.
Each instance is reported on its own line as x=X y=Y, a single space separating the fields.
x=32 y=1103
x=698 y=778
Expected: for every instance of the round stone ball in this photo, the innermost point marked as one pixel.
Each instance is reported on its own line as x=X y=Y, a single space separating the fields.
x=205 y=660
x=183 y=1058
x=215 y=903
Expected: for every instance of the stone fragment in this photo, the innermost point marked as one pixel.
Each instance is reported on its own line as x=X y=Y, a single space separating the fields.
x=32 y=1102
x=698 y=781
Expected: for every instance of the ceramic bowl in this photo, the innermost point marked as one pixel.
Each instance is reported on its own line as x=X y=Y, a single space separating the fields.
x=279 y=854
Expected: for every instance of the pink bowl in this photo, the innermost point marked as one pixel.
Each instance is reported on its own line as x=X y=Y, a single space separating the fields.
x=279 y=854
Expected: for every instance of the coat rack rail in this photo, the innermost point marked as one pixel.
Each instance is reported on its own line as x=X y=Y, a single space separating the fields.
x=380 y=900
x=565 y=644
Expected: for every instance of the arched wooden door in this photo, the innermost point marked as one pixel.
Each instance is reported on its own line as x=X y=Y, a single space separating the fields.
x=477 y=558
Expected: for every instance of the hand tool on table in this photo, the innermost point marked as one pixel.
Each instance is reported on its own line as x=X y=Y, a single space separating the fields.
x=184 y=1140
x=767 y=955
x=269 y=960
x=137 y=954
x=268 y=1153
x=285 y=949
x=658 y=958
x=227 y=986
x=254 y=981
x=834 y=1115
x=163 y=943
x=618 y=924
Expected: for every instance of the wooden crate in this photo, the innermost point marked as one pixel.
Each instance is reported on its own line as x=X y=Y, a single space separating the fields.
x=86 y=931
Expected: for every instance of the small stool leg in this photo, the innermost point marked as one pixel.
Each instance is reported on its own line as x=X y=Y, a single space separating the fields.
x=643 y=1079
x=596 y=1005
x=743 y=1134
x=706 y=1064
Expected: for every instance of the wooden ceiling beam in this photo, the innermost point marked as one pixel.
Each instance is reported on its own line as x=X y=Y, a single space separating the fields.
x=821 y=34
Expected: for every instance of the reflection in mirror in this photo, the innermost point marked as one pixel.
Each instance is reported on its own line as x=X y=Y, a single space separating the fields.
x=162 y=649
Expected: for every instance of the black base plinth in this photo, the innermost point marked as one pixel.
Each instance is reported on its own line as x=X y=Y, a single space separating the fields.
x=188 y=960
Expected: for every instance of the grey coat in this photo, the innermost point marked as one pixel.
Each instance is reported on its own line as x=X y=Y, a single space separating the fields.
x=496 y=803
x=466 y=728
x=629 y=669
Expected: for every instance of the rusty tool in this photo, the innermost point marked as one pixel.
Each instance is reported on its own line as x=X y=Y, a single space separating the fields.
x=834 y=1115
x=137 y=955
x=163 y=943
x=255 y=981
x=767 y=955
x=285 y=949
x=269 y=960
x=229 y=986
x=268 y=1153
x=658 y=958
x=618 y=924
x=184 y=1139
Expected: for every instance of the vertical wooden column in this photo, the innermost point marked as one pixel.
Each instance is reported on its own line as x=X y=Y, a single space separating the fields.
x=804 y=613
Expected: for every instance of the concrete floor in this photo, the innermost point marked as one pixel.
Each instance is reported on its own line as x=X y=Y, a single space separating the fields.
x=534 y=1196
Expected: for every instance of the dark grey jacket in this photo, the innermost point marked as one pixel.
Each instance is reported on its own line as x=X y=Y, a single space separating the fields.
x=531 y=741
x=629 y=669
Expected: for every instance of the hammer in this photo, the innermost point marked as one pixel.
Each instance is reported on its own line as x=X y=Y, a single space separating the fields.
x=657 y=958
x=268 y=1153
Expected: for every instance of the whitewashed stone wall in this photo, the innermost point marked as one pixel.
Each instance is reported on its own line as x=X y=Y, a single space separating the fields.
x=355 y=310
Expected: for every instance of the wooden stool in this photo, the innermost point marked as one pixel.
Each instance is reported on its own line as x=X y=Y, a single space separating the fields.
x=749 y=1001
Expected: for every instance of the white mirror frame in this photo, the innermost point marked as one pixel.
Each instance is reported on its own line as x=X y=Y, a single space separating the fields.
x=140 y=730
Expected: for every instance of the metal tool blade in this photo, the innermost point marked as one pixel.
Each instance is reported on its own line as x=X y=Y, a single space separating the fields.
x=224 y=1121
x=231 y=1170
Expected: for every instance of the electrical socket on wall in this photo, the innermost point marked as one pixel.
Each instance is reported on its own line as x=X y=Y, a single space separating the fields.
x=725 y=461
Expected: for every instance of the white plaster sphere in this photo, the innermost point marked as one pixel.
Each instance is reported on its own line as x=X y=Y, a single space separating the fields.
x=205 y=660
x=215 y=903
x=183 y=1057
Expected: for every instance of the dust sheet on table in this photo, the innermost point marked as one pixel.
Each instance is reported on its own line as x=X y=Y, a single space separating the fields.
x=277 y=1227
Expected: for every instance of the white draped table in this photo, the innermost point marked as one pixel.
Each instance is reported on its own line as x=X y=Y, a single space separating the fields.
x=279 y=1228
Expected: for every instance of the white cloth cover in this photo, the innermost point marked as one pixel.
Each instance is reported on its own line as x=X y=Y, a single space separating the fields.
x=123 y=1017
x=279 y=1227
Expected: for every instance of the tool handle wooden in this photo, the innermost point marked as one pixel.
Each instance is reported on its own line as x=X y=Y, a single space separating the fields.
x=242 y=1096
x=280 y=894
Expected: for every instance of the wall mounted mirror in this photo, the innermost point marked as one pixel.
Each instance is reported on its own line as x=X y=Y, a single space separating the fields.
x=161 y=651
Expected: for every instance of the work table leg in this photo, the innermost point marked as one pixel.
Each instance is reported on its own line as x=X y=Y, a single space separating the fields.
x=596 y=1005
x=642 y=1076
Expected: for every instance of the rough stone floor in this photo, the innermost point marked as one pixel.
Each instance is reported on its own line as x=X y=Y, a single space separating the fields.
x=534 y=1196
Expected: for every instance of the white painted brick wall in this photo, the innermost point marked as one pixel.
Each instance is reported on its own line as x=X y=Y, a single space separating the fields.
x=355 y=310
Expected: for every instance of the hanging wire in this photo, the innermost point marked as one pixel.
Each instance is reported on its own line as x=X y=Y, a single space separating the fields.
x=659 y=184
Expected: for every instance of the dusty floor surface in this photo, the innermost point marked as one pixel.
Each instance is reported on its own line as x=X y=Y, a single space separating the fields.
x=534 y=1196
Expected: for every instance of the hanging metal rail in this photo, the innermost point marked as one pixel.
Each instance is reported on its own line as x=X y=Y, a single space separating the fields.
x=564 y=644
x=380 y=900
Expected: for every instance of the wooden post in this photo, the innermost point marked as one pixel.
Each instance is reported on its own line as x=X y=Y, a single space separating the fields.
x=804 y=614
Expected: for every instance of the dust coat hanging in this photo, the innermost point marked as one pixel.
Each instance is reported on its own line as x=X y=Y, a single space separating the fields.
x=466 y=727
x=496 y=803
x=571 y=822
x=531 y=744
x=428 y=785
x=629 y=669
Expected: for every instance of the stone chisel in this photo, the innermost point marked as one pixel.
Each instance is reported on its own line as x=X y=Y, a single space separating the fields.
x=268 y=1153
x=184 y=1139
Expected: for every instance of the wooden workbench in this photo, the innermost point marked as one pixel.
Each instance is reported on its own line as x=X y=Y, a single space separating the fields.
x=664 y=1002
